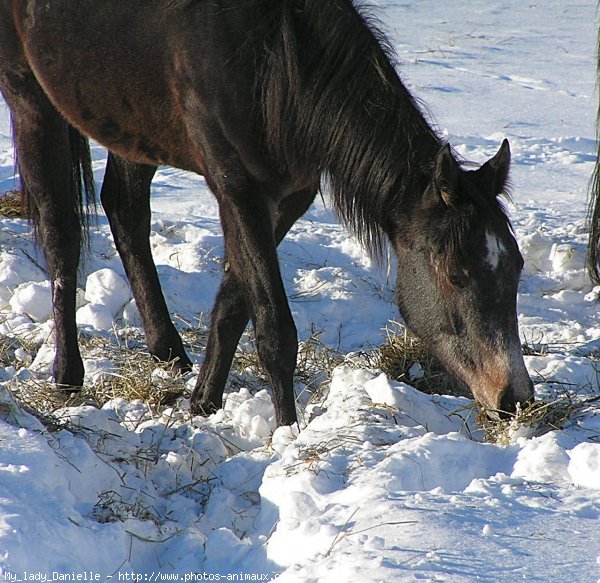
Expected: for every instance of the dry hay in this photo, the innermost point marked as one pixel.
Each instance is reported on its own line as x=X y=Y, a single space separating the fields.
x=136 y=376
x=11 y=205
x=539 y=417
x=403 y=353
x=314 y=365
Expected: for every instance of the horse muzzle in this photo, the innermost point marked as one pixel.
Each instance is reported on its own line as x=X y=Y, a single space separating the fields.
x=500 y=384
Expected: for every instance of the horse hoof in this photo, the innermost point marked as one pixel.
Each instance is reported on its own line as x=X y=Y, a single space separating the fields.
x=69 y=382
x=181 y=364
x=67 y=389
x=203 y=408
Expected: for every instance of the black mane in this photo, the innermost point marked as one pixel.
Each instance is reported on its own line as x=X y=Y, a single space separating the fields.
x=333 y=104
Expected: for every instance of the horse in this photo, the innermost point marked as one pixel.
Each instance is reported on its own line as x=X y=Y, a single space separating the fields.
x=593 y=254
x=268 y=100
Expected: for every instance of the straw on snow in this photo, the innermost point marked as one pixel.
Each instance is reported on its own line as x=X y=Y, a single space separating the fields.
x=137 y=376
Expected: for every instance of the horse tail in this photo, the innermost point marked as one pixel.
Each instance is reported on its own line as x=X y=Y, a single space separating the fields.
x=279 y=86
x=593 y=257
x=83 y=186
x=82 y=196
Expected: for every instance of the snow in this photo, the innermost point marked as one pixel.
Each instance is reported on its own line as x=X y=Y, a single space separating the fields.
x=382 y=483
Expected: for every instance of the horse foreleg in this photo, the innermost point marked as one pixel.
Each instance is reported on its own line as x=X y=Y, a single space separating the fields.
x=251 y=251
x=231 y=315
x=229 y=318
x=125 y=197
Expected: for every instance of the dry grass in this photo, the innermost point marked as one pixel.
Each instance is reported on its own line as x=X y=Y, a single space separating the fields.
x=11 y=205
x=111 y=507
x=137 y=376
x=8 y=347
x=314 y=365
x=314 y=368
x=403 y=353
x=564 y=404
x=540 y=417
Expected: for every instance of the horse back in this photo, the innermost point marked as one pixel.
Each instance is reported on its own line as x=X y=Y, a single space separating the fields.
x=146 y=79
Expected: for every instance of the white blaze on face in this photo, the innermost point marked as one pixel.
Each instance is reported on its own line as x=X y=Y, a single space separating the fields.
x=495 y=250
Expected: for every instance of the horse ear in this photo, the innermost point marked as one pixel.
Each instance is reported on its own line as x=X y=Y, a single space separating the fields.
x=495 y=170
x=446 y=176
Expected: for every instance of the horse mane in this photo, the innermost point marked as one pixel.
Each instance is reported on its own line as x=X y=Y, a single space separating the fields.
x=333 y=105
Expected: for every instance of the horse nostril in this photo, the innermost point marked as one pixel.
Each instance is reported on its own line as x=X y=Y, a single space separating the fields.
x=508 y=405
x=509 y=401
x=531 y=392
x=530 y=400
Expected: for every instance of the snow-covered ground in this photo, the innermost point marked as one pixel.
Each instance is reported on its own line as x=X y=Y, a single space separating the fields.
x=384 y=483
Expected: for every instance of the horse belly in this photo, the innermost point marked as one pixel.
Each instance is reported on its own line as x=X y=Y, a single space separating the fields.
x=104 y=69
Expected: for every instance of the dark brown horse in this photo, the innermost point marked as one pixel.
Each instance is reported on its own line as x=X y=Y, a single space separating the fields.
x=263 y=98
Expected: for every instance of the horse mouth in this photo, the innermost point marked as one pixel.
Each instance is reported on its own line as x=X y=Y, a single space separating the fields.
x=504 y=403
x=500 y=386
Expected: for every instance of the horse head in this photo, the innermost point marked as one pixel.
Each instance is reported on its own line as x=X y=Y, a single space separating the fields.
x=458 y=271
